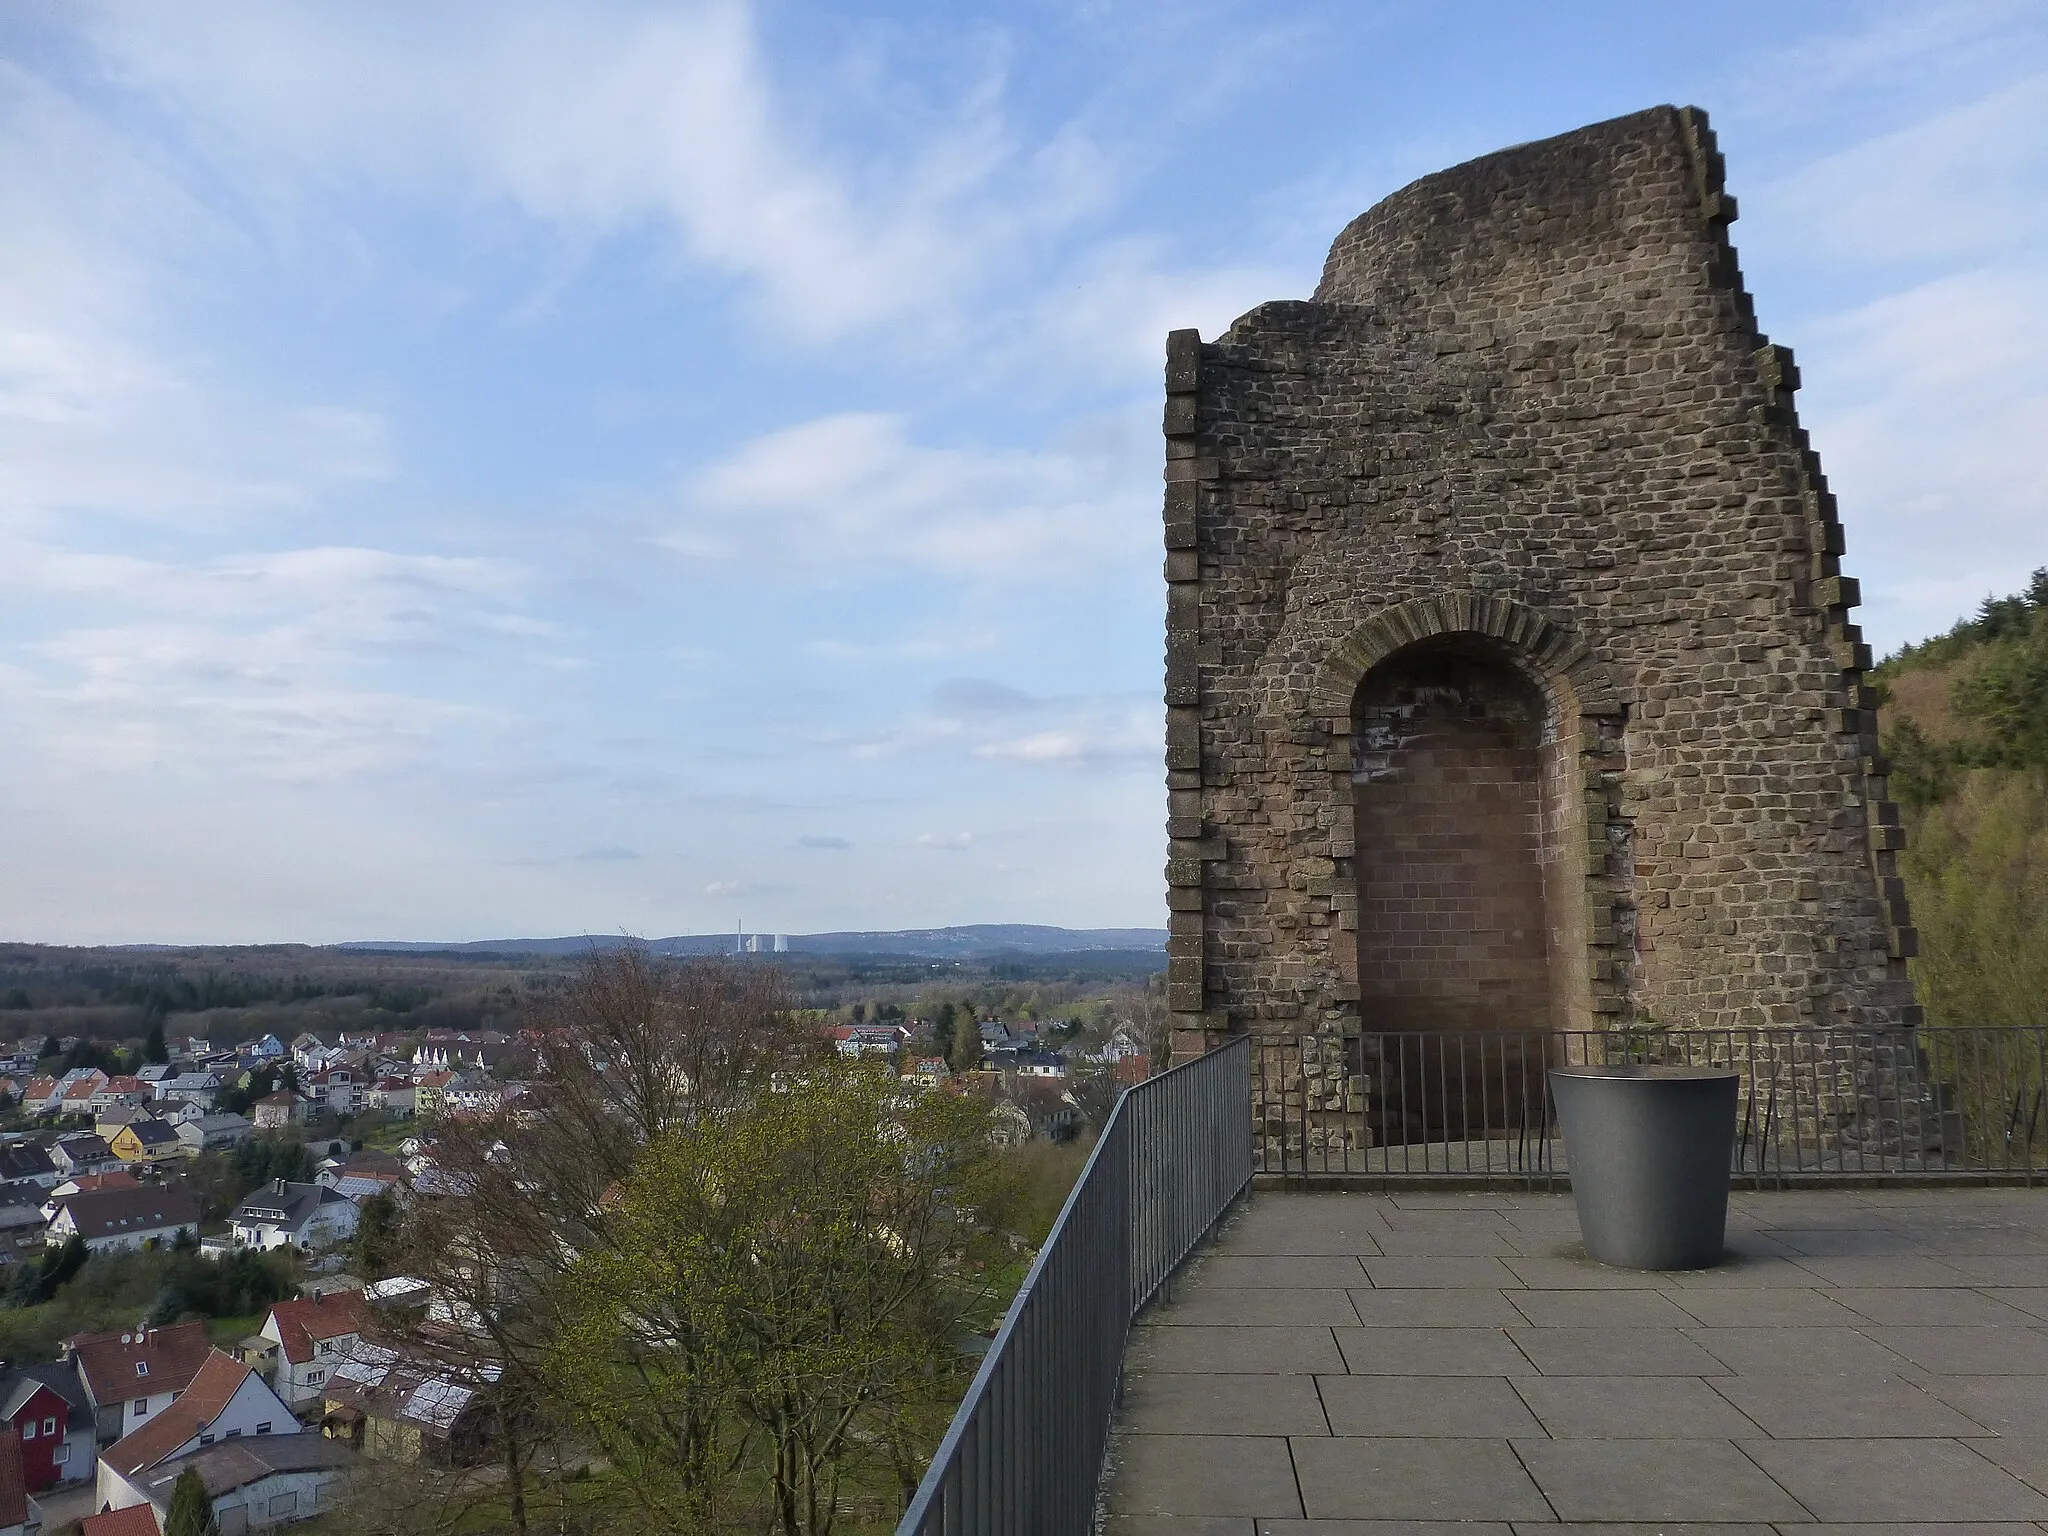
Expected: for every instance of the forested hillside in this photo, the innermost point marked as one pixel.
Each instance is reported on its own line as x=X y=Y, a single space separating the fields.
x=1965 y=722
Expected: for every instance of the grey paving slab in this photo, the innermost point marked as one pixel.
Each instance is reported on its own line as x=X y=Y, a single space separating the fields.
x=1415 y=1479
x=1658 y=1528
x=1799 y=1351
x=1456 y=1200
x=1754 y=1274
x=2025 y=1456
x=1450 y=1308
x=1698 y=1480
x=1793 y=1407
x=1919 y=1528
x=1632 y=1408
x=1265 y=1271
x=1446 y=1219
x=1386 y=1528
x=1180 y=1525
x=1764 y=1307
x=1873 y=1272
x=1615 y=1352
x=1844 y=1242
x=1857 y=1480
x=2018 y=1351
x=1431 y=1352
x=1295 y=1306
x=2030 y=1299
x=1554 y=1272
x=1450 y=1243
x=1183 y=1403
x=1598 y=1309
x=1201 y=1475
x=1994 y=1269
x=2005 y=1405
x=1303 y=1350
x=1953 y=1307
x=1439 y=1274
x=1433 y=1406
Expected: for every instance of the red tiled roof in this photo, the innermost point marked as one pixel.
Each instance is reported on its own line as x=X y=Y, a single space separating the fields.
x=301 y=1324
x=13 y=1487
x=135 y=1520
x=173 y=1355
x=201 y=1403
x=90 y=1183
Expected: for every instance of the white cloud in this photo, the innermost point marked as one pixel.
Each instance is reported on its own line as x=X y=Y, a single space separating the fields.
x=600 y=119
x=851 y=496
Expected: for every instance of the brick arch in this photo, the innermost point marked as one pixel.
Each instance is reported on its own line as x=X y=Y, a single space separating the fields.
x=1559 y=659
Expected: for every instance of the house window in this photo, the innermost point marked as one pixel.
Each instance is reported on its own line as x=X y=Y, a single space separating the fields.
x=231 y=1434
x=314 y=1378
x=263 y=1428
x=284 y=1504
x=61 y=1455
x=141 y=1407
x=142 y=1367
x=50 y=1426
x=29 y=1433
x=206 y=1439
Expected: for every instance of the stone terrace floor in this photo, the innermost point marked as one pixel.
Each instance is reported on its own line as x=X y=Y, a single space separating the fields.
x=1371 y=1365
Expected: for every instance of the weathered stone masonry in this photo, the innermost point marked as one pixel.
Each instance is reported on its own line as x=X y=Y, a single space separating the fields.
x=1508 y=546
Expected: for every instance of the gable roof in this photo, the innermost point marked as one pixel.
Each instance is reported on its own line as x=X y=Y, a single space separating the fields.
x=146 y=1208
x=13 y=1487
x=107 y=1361
x=284 y=1203
x=233 y=1464
x=150 y=1133
x=212 y=1389
x=135 y=1520
x=302 y=1324
x=25 y=1160
x=58 y=1376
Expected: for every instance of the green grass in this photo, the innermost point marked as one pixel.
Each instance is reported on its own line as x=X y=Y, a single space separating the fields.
x=230 y=1331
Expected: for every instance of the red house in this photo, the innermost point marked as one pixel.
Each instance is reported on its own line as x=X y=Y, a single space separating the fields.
x=57 y=1443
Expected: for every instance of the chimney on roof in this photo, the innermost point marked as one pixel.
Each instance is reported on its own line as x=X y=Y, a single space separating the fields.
x=280 y=1186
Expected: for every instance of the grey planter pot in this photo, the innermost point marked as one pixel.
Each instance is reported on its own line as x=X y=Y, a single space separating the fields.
x=1649 y=1149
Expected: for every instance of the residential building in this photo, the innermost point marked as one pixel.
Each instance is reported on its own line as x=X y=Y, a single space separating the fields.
x=213 y=1133
x=393 y=1095
x=111 y=1220
x=338 y=1089
x=83 y=1152
x=41 y=1096
x=85 y=1184
x=21 y=1220
x=20 y=1515
x=131 y=1376
x=224 y=1400
x=47 y=1407
x=410 y=1408
x=310 y=1339
x=147 y=1142
x=277 y=1110
x=26 y=1160
x=135 y=1520
x=120 y=1090
x=930 y=1072
x=80 y=1089
x=200 y=1088
x=257 y=1483
x=283 y=1214
x=268 y=1049
x=427 y=1090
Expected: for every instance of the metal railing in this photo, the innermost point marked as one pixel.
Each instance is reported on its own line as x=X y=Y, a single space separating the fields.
x=1024 y=1452
x=1822 y=1103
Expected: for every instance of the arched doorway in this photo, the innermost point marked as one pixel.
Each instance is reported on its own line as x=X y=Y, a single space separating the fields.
x=1470 y=899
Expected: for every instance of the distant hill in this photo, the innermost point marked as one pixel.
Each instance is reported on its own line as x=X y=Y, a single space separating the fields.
x=1964 y=720
x=975 y=941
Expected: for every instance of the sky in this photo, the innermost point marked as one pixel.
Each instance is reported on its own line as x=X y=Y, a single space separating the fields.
x=490 y=469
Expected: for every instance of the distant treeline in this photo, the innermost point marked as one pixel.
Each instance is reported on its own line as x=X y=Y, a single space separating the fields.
x=1965 y=724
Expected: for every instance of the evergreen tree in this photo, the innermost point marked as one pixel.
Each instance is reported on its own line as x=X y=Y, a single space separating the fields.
x=374 y=1251
x=154 y=1049
x=50 y=1048
x=964 y=1054
x=191 y=1510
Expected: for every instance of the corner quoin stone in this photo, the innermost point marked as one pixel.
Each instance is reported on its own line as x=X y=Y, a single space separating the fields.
x=1527 y=420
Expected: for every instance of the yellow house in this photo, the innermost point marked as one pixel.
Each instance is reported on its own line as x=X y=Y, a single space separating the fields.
x=146 y=1141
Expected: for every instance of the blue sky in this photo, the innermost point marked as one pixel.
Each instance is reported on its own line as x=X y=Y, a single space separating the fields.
x=493 y=469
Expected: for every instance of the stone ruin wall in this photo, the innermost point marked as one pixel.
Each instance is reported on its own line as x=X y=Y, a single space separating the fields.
x=1527 y=423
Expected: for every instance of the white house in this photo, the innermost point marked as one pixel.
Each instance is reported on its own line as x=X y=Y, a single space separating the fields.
x=212 y=1133
x=133 y=1375
x=114 y=1219
x=260 y=1483
x=225 y=1401
x=312 y=1338
x=283 y=1214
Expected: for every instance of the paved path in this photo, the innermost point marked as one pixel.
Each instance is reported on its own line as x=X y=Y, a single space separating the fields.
x=1365 y=1365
